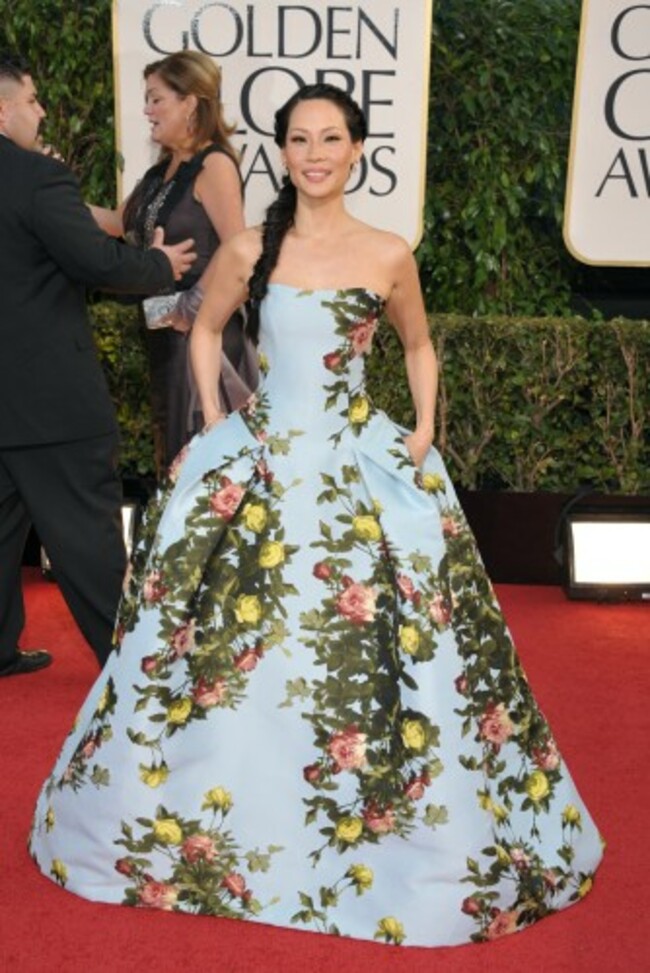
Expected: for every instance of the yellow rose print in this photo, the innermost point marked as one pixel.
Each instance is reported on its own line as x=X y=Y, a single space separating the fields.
x=413 y=735
x=50 y=819
x=153 y=776
x=571 y=816
x=217 y=799
x=271 y=554
x=362 y=876
x=433 y=483
x=366 y=528
x=103 y=701
x=349 y=829
x=585 y=886
x=248 y=610
x=359 y=410
x=179 y=711
x=537 y=785
x=255 y=517
x=499 y=812
x=58 y=871
x=167 y=831
x=409 y=639
x=391 y=930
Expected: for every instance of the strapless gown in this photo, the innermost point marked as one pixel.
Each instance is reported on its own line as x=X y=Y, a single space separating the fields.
x=315 y=716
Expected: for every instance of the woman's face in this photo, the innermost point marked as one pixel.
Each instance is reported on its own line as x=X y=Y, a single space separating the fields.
x=318 y=151
x=168 y=112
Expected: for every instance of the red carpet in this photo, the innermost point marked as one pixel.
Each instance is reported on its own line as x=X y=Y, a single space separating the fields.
x=590 y=668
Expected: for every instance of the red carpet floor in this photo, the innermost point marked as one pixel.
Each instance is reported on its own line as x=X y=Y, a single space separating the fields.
x=590 y=668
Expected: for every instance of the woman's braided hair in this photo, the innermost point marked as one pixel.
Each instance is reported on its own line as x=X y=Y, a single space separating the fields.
x=280 y=214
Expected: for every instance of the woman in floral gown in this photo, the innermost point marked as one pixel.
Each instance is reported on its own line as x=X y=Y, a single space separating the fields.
x=315 y=716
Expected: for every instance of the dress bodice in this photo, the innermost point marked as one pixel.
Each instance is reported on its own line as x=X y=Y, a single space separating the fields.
x=312 y=349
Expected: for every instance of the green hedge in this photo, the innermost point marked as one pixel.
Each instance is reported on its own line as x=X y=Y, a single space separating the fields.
x=525 y=404
x=535 y=404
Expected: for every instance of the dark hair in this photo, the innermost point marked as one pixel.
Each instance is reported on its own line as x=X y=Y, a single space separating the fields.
x=194 y=73
x=280 y=214
x=12 y=67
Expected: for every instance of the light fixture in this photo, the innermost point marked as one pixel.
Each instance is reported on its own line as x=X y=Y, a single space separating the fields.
x=606 y=553
x=129 y=523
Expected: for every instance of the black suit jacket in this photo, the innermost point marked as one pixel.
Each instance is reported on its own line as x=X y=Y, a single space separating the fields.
x=52 y=388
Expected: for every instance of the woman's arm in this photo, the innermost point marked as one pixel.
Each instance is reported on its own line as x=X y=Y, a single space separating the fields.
x=405 y=309
x=109 y=220
x=218 y=189
x=226 y=290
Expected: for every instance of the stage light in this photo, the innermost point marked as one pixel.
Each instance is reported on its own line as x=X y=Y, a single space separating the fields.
x=607 y=554
x=129 y=524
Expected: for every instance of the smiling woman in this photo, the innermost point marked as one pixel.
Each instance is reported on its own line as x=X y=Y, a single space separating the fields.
x=316 y=715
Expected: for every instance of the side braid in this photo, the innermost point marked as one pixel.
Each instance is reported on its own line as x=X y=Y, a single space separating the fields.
x=278 y=220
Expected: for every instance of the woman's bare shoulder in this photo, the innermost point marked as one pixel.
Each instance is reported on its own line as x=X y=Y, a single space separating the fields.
x=385 y=253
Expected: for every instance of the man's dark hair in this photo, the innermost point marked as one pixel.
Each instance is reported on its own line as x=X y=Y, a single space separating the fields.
x=13 y=67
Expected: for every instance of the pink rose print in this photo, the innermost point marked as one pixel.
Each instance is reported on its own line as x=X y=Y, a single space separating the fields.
x=263 y=471
x=224 y=502
x=548 y=757
x=470 y=906
x=416 y=787
x=461 y=684
x=495 y=725
x=182 y=641
x=148 y=664
x=357 y=603
x=440 y=610
x=198 y=847
x=311 y=773
x=405 y=587
x=206 y=695
x=450 y=526
x=322 y=571
x=361 y=335
x=348 y=749
x=519 y=858
x=236 y=885
x=153 y=589
x=247 y=659
x=124 y=866
x=176 y=464
x=89 y=748
x=157 y=895
x=378 y=820
x=332 y=361
x=503 y=924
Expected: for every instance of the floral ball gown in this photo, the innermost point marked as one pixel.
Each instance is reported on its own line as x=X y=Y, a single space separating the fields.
x=315 y=717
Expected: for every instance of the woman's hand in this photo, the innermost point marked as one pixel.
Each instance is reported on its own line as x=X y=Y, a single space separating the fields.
x=418 y=444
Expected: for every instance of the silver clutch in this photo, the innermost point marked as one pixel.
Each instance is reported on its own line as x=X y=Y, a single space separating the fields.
x=156 y=308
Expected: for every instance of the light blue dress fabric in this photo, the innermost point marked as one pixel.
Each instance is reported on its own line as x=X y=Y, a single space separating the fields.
x=315 y=717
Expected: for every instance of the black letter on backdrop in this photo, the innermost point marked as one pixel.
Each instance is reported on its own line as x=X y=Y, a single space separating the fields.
x=616 y=27
x=625 y=174
x=610 y=105
x=146 y=27
x=196 y=28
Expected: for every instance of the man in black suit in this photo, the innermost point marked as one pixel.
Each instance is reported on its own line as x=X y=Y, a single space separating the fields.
x=58 y=432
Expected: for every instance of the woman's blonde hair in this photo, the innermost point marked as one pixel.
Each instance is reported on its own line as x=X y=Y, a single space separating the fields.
x=193 y=73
